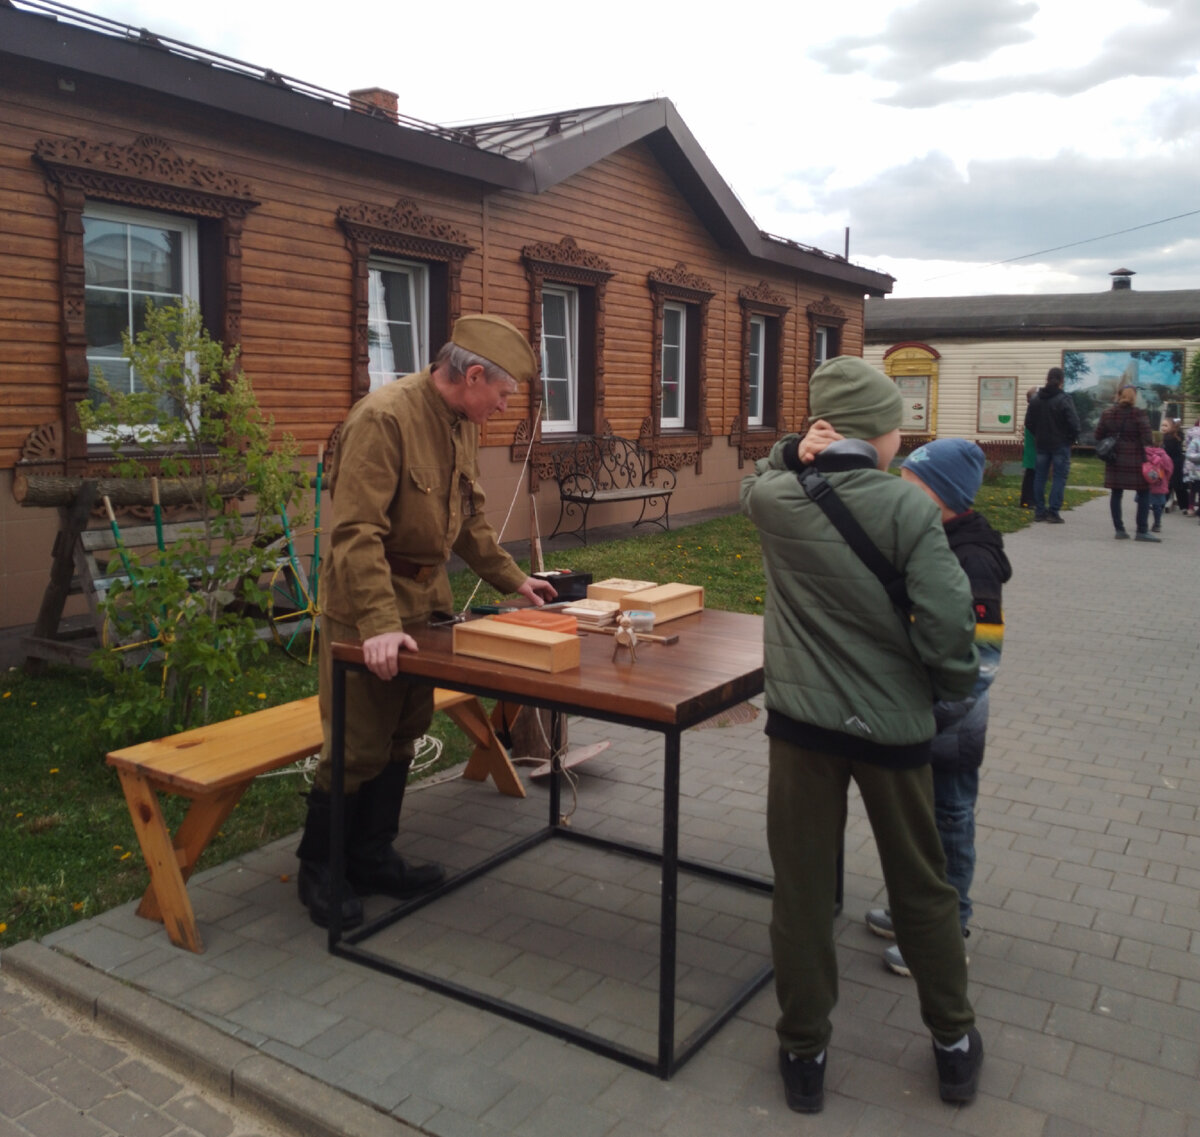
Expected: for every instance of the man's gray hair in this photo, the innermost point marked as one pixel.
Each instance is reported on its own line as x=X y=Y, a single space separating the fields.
x=458 y=359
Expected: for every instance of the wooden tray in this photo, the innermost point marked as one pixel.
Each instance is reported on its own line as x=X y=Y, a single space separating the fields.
x=519 y=644
x=667 y=601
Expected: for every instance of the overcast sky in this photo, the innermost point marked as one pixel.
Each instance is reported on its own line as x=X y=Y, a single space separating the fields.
x=947 y=134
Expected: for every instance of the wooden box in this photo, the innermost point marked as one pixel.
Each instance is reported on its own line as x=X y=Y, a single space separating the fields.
x=667 y=601
x=616 y=589
x=517 y=644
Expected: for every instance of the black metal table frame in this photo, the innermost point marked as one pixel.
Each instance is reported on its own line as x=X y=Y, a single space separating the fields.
x=669 y=1058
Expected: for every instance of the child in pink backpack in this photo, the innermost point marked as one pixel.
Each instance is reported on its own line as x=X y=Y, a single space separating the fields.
x=1157 y=470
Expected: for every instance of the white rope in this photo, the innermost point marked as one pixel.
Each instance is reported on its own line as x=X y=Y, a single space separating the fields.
x=428 y=750
x=517 y=490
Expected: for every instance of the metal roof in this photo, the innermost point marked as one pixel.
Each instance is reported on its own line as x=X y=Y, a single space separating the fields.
x=1116 y=312
x=528 y=155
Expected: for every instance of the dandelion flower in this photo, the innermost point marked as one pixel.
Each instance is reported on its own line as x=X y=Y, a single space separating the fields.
x=3 y=929
x=125 y=856
x=54 y=769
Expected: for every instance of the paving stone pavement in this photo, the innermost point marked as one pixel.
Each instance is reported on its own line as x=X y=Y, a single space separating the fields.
x=1085 y=952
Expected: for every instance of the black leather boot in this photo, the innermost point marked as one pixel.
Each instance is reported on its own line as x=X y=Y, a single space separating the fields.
x=315 y=880
x=372 y=864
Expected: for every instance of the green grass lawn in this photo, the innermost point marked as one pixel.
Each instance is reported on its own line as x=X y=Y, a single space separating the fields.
x=67 y=848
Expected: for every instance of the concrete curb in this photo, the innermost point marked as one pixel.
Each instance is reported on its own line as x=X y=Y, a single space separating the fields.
x=281 y=1094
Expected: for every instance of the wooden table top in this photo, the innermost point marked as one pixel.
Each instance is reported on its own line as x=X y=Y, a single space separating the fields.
x=717 y=663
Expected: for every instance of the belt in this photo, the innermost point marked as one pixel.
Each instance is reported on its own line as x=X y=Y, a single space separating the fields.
x=401 y=566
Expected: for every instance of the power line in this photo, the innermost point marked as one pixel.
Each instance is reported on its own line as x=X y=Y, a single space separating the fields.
x=1071 y=245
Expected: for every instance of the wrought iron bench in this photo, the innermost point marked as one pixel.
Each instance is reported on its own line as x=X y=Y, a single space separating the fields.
x=597 y=471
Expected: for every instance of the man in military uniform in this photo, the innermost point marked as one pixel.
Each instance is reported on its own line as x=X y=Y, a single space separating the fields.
x=405 y=490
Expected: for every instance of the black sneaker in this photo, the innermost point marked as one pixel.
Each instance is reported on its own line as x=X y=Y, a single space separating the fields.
x=958 y=1070
x=803 y=1081
x=1055 y=519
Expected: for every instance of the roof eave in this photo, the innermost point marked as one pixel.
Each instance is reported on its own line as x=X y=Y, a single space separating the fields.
x=42 y=39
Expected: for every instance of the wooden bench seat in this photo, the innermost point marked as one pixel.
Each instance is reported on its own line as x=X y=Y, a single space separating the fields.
x=214 y=765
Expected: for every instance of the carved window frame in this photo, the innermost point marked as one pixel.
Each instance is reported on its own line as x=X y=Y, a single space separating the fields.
x=676 y=448
x=401 y=230
x=754 y=442
x=564 y=262
x=146 y=174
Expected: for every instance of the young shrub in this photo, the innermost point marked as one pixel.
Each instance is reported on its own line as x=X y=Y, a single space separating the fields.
x=190 y=610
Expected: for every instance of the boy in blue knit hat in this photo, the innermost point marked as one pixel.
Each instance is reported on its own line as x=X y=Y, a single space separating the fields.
x=950 y=471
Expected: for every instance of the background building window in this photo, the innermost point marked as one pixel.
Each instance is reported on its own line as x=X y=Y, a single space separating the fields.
x=674 y=365
x=560 y=358
x=130 y=259
x=397 y=320
x=825 y=345
x=754 y=370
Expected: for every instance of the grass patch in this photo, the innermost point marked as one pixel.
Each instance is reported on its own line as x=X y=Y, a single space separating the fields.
x=67 y=848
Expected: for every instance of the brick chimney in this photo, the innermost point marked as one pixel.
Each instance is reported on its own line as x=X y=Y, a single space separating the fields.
x=377 y=102
x=1122 y=279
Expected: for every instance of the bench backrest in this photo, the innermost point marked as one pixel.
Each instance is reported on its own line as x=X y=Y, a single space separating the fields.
x=608 y=462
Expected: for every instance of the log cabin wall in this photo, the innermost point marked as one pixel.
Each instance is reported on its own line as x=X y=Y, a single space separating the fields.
x=295 y=305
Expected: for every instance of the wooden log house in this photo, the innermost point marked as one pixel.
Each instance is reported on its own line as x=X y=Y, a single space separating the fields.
x=336 y=241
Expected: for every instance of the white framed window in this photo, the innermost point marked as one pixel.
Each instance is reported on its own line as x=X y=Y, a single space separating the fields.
x=821 y=342
x=131 y=257
x=674 y=364
x=754 y=370
x=397 y=319
x=560 y=358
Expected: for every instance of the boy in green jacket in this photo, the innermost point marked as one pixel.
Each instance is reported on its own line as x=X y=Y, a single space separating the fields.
x=850 y=688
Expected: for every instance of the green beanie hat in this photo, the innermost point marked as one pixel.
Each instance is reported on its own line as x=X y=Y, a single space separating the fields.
x=854 y=398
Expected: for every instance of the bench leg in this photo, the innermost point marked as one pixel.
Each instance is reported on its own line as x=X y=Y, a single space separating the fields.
x=204 y=818
x=166 y=879
x=489 y=755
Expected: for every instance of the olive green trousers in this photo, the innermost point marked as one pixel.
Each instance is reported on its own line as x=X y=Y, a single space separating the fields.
x=806 y=820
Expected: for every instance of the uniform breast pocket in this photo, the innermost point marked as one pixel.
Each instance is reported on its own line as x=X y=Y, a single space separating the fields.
x=428 y=480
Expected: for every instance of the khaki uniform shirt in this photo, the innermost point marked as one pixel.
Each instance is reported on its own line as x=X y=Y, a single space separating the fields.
x=404 y=482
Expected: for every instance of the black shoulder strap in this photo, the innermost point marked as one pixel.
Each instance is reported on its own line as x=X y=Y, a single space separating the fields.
x=822 y=493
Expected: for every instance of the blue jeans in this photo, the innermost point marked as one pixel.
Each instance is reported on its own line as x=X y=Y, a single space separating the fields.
x=1142 y=500
x=1060 y=459
x=954 y=796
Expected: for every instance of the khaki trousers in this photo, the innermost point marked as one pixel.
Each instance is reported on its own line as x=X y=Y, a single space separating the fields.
x=806 y=819
x=383 y=718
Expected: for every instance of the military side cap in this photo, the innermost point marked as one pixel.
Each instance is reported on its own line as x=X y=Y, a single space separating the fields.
x=497 y=341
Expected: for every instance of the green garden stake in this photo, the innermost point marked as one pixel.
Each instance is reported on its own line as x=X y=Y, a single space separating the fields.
x=158 y=529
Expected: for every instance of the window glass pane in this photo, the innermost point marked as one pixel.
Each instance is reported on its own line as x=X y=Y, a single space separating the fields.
x=672 y=321
x=554 y=357
x=116 y=373
x=554 y=315
x=105 y=254
x=397 y=293
x=558 y=400
x=404 y=351
x=105 y=315
x=155 y=262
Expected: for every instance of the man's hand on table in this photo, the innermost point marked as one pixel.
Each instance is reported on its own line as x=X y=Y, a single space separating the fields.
x=381 y=653
x=537 y=591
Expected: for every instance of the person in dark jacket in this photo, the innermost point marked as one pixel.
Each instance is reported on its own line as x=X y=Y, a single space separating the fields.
x=1052 y=418
x=1028 y=458
x=950 y=471
x=1172 y=435
x=1129 y=424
